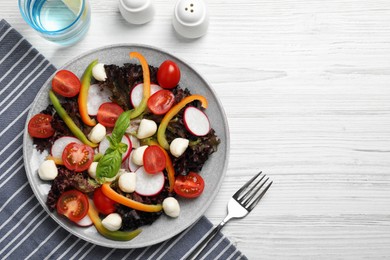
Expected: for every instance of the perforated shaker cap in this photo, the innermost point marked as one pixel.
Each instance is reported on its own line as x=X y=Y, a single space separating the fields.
x=190 y=18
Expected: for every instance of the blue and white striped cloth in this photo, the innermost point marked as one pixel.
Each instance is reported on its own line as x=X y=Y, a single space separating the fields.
x=26 y=231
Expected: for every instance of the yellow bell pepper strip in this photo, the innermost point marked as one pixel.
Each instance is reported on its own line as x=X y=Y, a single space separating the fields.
x=58 y=161
x=83 y=95
x=68 y=120
x=137 y=111
x=113 y=235
x=161 y=138
x=112 y=194
x=168 y=166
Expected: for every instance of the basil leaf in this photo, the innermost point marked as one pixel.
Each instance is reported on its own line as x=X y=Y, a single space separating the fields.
x=121 y=124
x=112 y=141
x=122 y=148
x=109 y=165
x=111 y=161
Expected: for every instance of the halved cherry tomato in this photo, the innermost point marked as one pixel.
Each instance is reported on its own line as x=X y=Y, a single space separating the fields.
x=103 y=204
x=154 y=159
x=168 y=74
x=39 y=126
x=161 y=101
x=77 y=157
x=73 y=204
x=108 y=113
x=189 y=186
x=66 y=83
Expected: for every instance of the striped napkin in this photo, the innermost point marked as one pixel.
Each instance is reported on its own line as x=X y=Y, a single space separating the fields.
x=26 y=230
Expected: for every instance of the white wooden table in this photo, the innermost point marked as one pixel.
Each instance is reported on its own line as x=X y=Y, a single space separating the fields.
x=306 y=88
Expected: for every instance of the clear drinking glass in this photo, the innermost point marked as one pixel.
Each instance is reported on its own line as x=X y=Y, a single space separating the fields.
x=61 y=21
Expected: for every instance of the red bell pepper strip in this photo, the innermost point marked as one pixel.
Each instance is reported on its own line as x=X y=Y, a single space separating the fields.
x=171 y=113
x=112 y=194
x=68 y=120
x=114 y=235
x=83 y=95
x=146 y=74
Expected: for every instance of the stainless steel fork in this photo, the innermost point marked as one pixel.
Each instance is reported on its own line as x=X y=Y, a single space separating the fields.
x=241 y=203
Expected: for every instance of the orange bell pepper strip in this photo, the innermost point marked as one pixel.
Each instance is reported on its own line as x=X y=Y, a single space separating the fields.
x=83 y=95
x=112 y=194
x=114 y=235
x=146 y=74
x=161 y=138
x=168 y=166
x=170 y=170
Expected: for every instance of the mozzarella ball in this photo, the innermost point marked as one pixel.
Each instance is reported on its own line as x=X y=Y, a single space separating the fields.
x=138 y=155
x=98 y=72
x=48 y=170
x=171 y=207
x=178 y=146
x=92 y=170
x=127 y=181
x=97 y=133
x=112 y=222
x=147 y=128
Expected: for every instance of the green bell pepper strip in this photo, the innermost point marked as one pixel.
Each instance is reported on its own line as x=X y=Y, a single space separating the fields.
x=146 y=74
x=114 y=235
x=83 y=95
x=171 y=113
x=68 y=120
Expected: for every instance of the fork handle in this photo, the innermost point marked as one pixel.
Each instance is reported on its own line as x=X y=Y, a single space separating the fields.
x=199 y=248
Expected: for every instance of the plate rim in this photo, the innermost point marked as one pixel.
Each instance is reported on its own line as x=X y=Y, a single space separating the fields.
x=211 y=197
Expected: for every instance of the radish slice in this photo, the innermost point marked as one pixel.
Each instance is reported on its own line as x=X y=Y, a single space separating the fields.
x=85 y=222
x=196 y=121
x=132 y=166
x=103 y=146
x=148 y=184
x=134 y=141
x=96 y=97
x=60 y=144
x=138 y=91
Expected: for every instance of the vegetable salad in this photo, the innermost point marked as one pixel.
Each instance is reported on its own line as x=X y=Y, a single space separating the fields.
x=124 y=142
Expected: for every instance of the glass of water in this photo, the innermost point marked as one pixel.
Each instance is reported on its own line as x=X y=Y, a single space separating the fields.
x=62 y=21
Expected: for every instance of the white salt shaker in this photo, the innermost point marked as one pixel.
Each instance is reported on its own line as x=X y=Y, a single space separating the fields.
x=190 y=18
x=137 y=11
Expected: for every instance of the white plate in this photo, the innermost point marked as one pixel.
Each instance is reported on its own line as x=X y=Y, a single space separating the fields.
x=212 y=172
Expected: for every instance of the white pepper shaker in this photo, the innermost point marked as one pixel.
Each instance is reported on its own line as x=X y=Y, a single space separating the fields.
x=190 y=18
x=137 y=11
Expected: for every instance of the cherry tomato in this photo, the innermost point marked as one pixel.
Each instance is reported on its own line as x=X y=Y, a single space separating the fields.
x=154 y=159
x=108 y=113
x=66 y=84
x=77 y=157
x=189 y=186
x=39 y=126
x=168 y=74
x=103 y=204
x=161 y=101
x=73 y=204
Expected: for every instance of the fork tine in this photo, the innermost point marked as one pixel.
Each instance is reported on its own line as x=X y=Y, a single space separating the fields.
x=238 y=193
x=250 y=192
x=254 y=203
